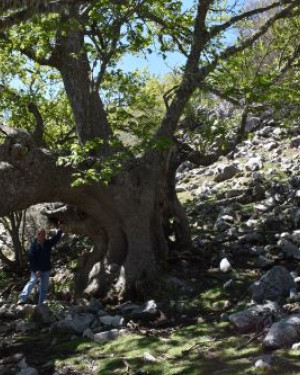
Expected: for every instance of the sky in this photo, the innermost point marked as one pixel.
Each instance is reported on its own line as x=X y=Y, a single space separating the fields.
x=153 y=62
x=156 y=64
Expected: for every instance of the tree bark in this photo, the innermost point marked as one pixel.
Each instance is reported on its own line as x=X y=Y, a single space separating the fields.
x=126 y=220
x=72 y=62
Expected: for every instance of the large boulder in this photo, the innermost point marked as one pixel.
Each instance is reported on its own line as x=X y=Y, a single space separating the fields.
x=225 y=172
x=255 y=318
x=275 y=285
x=283 y=333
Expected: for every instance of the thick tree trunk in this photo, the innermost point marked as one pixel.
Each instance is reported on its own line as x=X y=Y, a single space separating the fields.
x=133 y=213
x=72 y=62
x=126 y=220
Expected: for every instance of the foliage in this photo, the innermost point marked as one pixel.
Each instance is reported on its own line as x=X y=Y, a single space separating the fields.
x=99 y=169
x=133 y=100
x=264 y=78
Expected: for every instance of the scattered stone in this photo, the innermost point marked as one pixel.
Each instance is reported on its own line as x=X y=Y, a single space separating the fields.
x=88 y=333
x=108 y=335
x=223 y=222
x=229 y=284
x=225 y=172
x=289 y=250
x=114 y=321
x=264 y=362
x=128 y=307
x=273 y=286
x=225 y=265
x=224 y=317
x=296 y=346
x=254 y=164
x=263 y=262
x=21 y=325
x=42 y=314
x=77 y=323
x=149 y=357
x=283 y=333
x=295 y=142
x=147 y=311
x=255 y=318
x=28 y=371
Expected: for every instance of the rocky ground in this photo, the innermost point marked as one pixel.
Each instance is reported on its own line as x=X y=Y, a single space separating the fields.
x=230 y=305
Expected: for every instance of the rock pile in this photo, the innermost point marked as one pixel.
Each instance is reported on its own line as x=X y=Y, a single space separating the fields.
x=92 y=322
x=245 y=211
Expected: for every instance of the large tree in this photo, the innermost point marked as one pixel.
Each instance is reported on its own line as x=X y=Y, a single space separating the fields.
x=122 y=197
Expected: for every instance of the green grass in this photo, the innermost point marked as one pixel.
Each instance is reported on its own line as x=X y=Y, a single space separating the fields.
x=207 y=347
x=196 y=349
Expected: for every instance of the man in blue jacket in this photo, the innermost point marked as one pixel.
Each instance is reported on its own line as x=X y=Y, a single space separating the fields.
x=40 y=264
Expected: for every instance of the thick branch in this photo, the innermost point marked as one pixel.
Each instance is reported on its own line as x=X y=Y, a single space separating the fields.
x=90 y=116
x=188 y=85
x=200 y=36
x=29 y=175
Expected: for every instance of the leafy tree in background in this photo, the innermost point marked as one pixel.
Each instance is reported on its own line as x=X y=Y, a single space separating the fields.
x=264 y=79
x=67 y=116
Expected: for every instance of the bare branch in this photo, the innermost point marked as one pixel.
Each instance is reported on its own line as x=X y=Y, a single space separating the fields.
x=146 y=14
x=247 y=42
x=290 y=60
x=215 y=30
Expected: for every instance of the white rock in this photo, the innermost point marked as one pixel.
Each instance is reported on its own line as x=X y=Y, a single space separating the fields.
x=225 y=266
x=149 y=357
x=254 y=164
x=264 y=362
x=296 y=346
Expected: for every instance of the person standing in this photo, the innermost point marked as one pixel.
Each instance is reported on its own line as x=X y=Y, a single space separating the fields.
x=39 y=253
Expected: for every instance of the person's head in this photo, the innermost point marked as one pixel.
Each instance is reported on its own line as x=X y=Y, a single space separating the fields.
x=40 y=234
